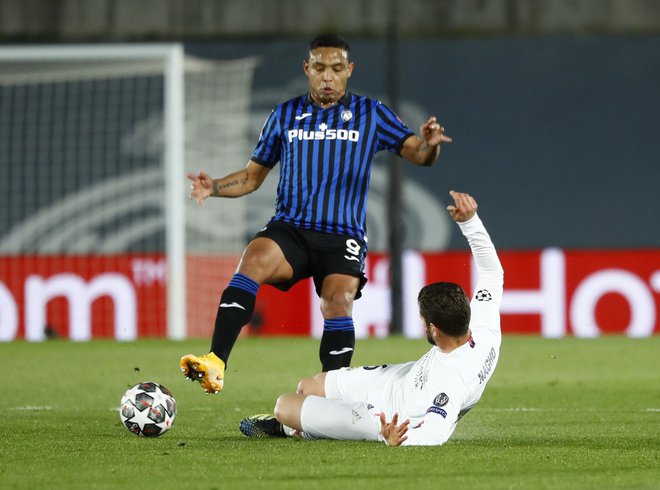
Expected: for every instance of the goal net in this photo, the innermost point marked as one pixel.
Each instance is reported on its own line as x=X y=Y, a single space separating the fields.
x=96 y=237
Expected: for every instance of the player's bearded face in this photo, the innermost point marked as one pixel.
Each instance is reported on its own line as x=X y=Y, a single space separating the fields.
x=328 y=71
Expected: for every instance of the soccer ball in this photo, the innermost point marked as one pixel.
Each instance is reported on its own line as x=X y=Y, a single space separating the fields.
x=147 y=409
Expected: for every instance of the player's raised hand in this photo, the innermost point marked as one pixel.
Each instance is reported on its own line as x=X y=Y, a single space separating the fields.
x=464 y=206
x=433 y=133
x=393 y=434
x=202 y=186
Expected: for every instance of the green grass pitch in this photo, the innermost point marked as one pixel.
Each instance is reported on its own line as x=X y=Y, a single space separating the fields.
x=564 y=413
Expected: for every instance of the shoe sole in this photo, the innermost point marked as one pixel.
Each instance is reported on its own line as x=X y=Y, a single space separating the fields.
x=192 y=372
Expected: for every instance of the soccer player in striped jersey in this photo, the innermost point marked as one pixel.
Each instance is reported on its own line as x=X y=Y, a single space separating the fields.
x=325 y=142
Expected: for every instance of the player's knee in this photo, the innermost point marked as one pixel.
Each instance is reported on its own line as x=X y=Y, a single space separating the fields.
x=280 y=408
x=304 y=386
x=264 y=261
x=287 y=409
x=254 y=266
x=312 y=386
x=338 y=303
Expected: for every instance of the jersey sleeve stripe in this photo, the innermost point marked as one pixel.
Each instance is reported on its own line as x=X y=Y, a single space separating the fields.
x=399 y=146
x=263 y=162
x=391 y=130
x=267 y=151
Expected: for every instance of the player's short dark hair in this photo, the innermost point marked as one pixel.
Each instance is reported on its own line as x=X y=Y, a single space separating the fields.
x=330 y=41
x=446 y=305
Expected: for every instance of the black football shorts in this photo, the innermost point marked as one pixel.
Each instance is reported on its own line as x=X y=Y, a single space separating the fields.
x=317 y=254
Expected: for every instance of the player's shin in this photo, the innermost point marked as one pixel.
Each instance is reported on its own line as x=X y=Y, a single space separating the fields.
x=337 y=343
x=235 y=310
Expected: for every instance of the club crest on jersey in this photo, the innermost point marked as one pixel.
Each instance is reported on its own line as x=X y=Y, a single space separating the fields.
x=441 y=400
x=346 y=115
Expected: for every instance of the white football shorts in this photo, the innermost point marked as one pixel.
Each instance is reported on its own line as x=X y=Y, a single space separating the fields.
x=322 y=418
x=371 y=384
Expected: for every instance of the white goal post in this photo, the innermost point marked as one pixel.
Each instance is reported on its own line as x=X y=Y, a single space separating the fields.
x=95 y=143
x=92 y=61
x=93 y=152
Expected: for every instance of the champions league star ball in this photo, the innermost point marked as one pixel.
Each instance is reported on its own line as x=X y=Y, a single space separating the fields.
x=147 y=409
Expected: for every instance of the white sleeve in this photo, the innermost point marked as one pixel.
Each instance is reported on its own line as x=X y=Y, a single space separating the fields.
x=438 y=423
x=487 y=297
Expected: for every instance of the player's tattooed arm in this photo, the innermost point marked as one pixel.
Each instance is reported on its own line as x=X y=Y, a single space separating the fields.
x=236 y=184
x=219 y=185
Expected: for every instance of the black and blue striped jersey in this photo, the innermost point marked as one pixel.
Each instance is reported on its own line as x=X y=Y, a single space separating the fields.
x=325 y=159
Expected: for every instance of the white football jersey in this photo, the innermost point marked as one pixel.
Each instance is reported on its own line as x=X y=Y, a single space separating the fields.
x=433 y=392
x=438 y=389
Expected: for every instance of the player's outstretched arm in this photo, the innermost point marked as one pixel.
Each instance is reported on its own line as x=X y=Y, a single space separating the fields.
x=490 y=274
x=425 y=150
x=236 y=184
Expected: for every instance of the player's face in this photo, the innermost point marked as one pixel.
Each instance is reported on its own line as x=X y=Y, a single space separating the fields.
x=328 y=71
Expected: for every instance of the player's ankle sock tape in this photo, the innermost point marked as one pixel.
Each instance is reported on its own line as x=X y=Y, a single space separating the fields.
x=337 y=343
x=235 y=310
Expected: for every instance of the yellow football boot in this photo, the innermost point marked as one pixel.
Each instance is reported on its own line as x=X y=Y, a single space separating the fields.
x=209 y=370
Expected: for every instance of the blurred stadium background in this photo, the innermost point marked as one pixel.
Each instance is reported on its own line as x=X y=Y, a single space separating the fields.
x=105 y=104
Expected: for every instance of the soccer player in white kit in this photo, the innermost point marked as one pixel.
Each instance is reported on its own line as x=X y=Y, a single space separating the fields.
x=429 y=395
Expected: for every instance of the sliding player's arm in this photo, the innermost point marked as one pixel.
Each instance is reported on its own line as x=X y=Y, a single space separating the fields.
x=490 y=283
x=434 y=429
